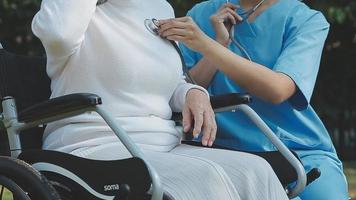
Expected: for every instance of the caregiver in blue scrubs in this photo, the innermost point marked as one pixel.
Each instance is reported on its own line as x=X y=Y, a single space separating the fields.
x=284 y=39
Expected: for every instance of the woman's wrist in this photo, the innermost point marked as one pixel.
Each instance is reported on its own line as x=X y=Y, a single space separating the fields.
x=198 y=89
x=224 y=43
x=209 y=46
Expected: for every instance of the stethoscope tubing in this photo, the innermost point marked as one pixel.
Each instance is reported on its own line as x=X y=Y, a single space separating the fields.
x=245 y=15
x=185 y=69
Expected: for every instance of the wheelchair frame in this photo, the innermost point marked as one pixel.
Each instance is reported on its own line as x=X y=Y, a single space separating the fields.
x=14 y=127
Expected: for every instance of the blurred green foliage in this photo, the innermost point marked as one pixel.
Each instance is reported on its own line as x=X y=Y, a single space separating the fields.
x=334 y=97
x=16 y=15
x=15 y=25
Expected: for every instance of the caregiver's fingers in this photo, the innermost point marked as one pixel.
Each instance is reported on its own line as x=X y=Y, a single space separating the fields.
x=163 y=22
x=176 y=38
x=229 y=5
x=221 y=16
x=173 y=32
x=171 y=24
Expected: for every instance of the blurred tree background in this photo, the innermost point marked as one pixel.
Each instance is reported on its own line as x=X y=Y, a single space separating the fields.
x=334 y=97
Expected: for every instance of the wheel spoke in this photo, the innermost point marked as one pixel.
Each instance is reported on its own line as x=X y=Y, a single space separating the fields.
x=1 y=192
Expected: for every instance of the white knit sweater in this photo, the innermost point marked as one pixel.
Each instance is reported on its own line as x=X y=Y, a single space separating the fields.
x=107 y=50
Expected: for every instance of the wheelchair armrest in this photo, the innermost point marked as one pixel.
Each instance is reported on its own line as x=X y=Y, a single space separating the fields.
x=222 y=103
x=59 y=106
x=231 y=99
x=227 y=102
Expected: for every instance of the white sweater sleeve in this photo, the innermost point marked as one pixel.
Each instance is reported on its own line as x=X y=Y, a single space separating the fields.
x=179 y=96
x=61 y=24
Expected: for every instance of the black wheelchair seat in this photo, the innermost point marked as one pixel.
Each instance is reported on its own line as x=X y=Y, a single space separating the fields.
x=91 y=178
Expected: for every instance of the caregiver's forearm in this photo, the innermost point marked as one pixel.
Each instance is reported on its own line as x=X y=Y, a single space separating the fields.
x=259 y=80
x=203 y=72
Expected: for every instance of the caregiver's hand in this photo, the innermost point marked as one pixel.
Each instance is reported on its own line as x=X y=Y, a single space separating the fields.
x=223 y=20
x=197 y=110
x=184 y=30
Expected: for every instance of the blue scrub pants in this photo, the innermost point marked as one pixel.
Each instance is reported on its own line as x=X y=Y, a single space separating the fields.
x=332 y=184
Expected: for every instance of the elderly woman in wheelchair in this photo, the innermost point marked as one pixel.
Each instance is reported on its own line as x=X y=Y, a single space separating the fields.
x=129 y=147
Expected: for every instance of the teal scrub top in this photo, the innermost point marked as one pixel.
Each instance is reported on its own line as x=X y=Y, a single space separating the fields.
x=288 y=37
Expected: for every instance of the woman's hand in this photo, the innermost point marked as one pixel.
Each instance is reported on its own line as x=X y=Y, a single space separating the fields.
x=197 y=110
x=184 y=30
x=223 y=20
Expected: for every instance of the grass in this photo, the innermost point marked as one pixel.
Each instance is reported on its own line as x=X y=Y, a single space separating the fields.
x=349 y=168
x=7 y=195
x=350 y=171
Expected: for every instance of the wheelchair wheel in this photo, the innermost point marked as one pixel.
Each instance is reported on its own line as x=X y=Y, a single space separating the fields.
x=10 y=190
x=22 y=182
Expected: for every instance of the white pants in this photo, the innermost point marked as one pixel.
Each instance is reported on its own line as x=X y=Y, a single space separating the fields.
x=195 y=173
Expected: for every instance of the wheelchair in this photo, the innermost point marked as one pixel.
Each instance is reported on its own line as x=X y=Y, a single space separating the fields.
x=31 y=173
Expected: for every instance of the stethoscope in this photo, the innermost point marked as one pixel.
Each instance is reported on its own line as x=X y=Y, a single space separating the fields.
x=152 y=25
x=245 y=15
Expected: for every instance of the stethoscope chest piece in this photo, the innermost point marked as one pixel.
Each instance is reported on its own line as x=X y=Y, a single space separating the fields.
x=152 y=25
x=101 y=2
